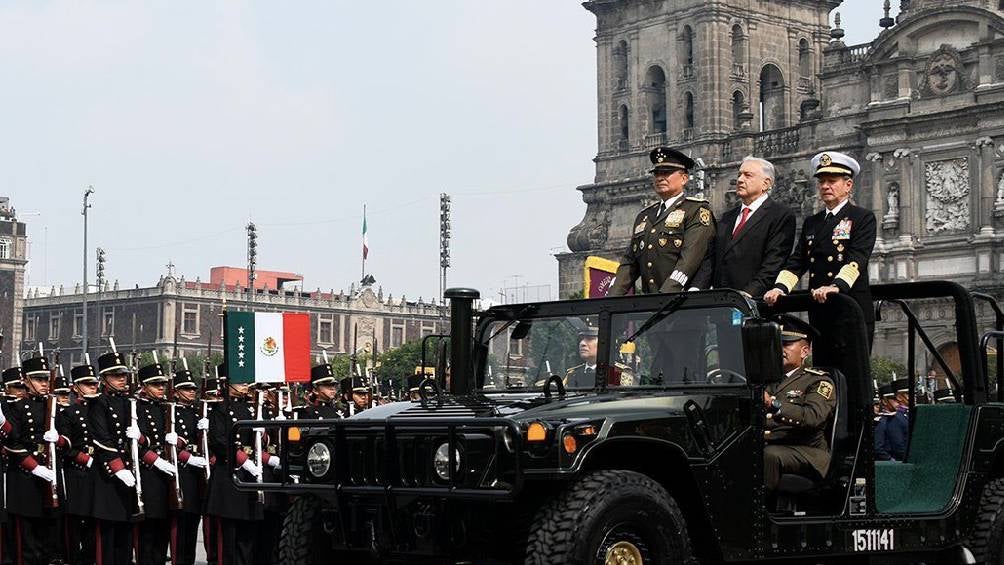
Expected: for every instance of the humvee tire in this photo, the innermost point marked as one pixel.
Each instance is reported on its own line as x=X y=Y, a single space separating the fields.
x=303 y=540
x=609 y=516
x=987 y=540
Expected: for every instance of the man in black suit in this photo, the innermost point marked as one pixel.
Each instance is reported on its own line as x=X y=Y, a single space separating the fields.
x=755 y=238
x=835 y=245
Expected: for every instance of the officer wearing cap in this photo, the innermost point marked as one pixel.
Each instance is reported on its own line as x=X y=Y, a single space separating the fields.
x=78 y=465
x=584 y=374
x=414 y=383
x=356 y=394
x=212 y=399
x=669 y=239
x=29 y=474
x=323 y=396
x=835 y=244
x=191 y=467
x=798 y=409
x=114 y=479
x=13 y=384
x=62 y=391
x=892 y=431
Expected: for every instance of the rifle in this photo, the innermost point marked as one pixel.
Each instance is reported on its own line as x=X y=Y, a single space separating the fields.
x=176 y=497
x=134 y=421
x=204 y=434
x=259 y=400
x=52 y=498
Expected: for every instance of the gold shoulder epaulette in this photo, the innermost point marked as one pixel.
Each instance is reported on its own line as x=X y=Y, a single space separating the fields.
x=572 y=369
x=696 y=199
x=813 y=371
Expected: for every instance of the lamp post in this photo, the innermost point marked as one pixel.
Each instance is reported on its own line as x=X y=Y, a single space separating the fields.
x=252 y=261
x=444 y=243
x=87 y=194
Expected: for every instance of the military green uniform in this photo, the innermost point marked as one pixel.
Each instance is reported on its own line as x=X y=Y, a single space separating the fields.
x=796 y=432
x=667 y=249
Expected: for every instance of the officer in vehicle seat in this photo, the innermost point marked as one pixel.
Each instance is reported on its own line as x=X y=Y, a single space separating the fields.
x=798 y=410
x=584 y=375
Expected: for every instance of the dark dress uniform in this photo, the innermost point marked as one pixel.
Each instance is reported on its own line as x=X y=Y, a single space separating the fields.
x=276 y=503
x=316 y=409
x=78 y=472
x=795 y=432
x=668 y=248
x=211 y=399
x=835 y=249
x=115 y=507
x=581 y=376
x=29 y=498
x=155 y=529
x=185 y=521
x=239 y=514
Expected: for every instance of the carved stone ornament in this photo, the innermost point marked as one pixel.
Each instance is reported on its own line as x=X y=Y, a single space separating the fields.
x=947 y=187
x=944 y=74
x=591 y=233
x=795 y=192
x=999 y=200
x=891 y=219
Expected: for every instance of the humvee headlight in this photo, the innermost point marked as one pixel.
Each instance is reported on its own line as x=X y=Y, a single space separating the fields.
x=441 y=461
x=318 y=459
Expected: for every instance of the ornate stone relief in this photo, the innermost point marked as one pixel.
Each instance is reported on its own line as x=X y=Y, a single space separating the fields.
x=999 y=199
x=944 y=74
x=891 y=219
x=592 y=231
x=947 y=186
x=794 y=191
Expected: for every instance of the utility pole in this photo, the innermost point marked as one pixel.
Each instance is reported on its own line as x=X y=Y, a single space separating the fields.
x=444 y=243
x=252 y=261
x=87 y=194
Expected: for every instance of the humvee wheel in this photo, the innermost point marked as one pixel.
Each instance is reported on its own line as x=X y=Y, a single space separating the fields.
x=609 y=518
x=987 y=539
x=304 y=541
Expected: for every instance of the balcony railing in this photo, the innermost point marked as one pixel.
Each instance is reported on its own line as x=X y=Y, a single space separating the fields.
x=776 y=142
x=655 y=140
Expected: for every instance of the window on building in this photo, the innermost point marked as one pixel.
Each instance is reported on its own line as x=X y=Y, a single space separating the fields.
x=396 y=336
x=78 y=324
x=625 y=131
x=688 y=110
x=738 y=49
x=655 y=85
x=772 y=112
x=688 y=46
x=6 y=247
x=54 y=323
x=108 y=322
x=428 y=329
x=621 y=65
x=29 y=328
x=325 y=330
x=737 y=108
x=804 y=59
x=190 y=319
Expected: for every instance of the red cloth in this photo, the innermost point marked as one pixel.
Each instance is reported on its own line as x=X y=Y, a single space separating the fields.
x=742 y=222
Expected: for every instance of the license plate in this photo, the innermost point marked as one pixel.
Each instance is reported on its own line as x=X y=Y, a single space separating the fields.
x=874 y=540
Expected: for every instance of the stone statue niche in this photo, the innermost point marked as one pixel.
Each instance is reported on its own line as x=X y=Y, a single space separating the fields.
x=891 y=219
x=999 y=200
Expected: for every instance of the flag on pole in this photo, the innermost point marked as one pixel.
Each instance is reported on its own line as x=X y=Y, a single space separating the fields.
x=267 y=347
x=366 y=242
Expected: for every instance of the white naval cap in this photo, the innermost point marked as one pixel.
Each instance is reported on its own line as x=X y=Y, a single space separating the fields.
x=835 y=163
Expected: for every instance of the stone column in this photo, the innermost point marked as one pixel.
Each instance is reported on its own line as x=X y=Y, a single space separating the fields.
x=911 y=191
x=988 y=183
x=876 y=204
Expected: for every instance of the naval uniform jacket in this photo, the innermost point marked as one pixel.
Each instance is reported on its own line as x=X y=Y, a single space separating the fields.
x=186 y=420
x=224 y=500
x=109 y=415
x=666 y=250
x=808 y=400
x=835 y=252
x=78 y=480
x=26 y=493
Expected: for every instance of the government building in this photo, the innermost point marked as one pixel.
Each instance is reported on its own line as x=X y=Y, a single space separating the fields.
x=921 y=106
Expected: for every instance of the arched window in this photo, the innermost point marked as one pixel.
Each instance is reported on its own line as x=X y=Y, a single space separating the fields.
x=804 y=59
x=621 y=64
x=655 y=88
x=688 y=110
x=688 y=45
x=624 y=130
x=738 y=50
x=737 y=108
x=772 y=109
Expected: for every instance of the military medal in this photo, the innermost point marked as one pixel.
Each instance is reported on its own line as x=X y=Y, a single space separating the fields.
x=675 y=218
x=663 y=241
x=843 y=229
x=678 y=243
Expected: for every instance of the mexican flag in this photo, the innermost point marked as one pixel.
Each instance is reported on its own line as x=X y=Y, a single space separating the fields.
x=267 y=347
x=366 y=241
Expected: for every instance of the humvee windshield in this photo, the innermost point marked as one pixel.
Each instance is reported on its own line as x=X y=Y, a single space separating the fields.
x=645 y=348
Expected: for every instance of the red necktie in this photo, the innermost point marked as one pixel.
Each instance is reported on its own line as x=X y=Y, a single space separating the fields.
x=742 y=222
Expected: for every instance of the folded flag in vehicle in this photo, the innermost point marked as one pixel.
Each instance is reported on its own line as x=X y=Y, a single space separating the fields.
x=267 y=347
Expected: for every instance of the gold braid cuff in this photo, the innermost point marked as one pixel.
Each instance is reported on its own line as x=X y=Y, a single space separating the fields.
x=849 y=273
x=788 y=279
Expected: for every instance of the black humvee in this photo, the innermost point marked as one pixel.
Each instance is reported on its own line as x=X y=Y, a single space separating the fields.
x=659 y=457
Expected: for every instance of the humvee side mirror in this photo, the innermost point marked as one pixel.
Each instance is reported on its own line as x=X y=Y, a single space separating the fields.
x=762 y=351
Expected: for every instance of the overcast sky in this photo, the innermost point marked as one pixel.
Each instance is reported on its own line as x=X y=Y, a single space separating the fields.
x=191 y=118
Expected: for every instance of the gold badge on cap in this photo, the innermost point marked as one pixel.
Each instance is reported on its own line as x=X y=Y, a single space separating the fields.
x=825 y=160
x=675 y=218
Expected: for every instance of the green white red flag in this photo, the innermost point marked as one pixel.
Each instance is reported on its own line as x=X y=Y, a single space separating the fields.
x=267 y=347
x=366 y=241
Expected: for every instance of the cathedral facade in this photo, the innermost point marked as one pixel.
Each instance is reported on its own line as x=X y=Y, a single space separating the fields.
x=921 y=107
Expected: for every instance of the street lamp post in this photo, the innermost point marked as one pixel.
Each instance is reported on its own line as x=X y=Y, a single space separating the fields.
x=444 y=244
x=87 y=194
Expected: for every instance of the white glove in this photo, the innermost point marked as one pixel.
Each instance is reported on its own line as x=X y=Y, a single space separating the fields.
x=258 y=430
x=171 y=438
x=165 y=466
x=45 y=473
x=250 y=467
x=196 y=461
x=50 y=436
x=3 y=419
x=203 y=424
x=132 y=432
x=126 y=477
x=89 y=463
x=274 y=462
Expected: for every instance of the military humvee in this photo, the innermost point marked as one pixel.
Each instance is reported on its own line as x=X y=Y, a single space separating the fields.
x=660 y=458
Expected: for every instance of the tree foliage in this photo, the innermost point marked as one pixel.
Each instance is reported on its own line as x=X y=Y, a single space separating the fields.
x=884 y=368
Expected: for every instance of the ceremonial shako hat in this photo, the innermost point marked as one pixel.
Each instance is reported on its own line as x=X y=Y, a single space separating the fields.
x=184 y=379
x=887 y=391
x=831 y=162
x=322 y=375
x=668 y=159
x=152 y=373
x=354 y=384
x=84 y=374
x=221 y=370
x=62 y=385
x=944 y=395
x=415 y=381
x=35 y=366
x=111 y=363
x=13 y=375
x=794 y=329
x=901 y=385
x=212 y=384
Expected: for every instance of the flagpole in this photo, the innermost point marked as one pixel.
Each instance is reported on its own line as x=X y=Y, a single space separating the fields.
x=364 y=244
